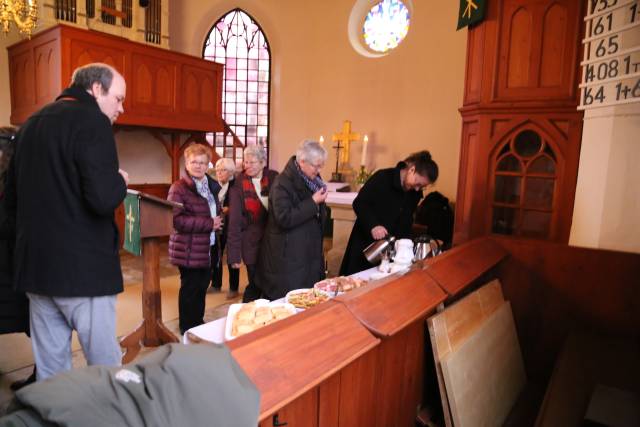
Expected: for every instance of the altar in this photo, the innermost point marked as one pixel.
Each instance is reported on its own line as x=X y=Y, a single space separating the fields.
x=343 y=218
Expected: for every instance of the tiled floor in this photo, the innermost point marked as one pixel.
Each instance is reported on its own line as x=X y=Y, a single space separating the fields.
x=16 y=359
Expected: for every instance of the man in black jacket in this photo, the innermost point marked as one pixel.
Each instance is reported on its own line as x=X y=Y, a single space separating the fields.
x=63 y=187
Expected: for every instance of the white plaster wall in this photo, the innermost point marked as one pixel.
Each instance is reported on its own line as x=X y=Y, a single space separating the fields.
x=143 y=157
x=405 y=101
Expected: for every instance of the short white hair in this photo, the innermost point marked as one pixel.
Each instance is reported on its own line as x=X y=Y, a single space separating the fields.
x=256 y=151
x=311 y=152
x=227 y=164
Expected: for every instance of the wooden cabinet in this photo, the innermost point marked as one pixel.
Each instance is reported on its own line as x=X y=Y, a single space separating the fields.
x=521 y=131
x=165 y=89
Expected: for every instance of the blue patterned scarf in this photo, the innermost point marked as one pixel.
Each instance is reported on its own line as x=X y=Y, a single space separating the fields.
x=314 y=185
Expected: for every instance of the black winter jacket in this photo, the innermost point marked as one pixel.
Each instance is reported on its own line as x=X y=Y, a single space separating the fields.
x=63 y=188
x=381 y=201
x=291 y=254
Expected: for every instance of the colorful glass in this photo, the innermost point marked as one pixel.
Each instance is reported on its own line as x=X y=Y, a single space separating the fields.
x=238 y=42
x=386 y=25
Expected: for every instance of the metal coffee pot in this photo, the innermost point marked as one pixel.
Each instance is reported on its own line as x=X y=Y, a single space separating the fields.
x=424 y=247
x=374 y=252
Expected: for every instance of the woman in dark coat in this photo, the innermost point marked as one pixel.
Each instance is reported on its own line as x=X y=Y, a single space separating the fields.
x=248 y=204
x=385 y=206
x=193 y=245
x=291 y=255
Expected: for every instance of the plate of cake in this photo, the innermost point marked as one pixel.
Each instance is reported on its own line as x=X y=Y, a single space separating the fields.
x=245 y=318
x=306 y=298
x=340 y=284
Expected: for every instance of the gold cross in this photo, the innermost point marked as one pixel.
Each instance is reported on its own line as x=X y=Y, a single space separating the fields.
x=467 y=11
x=131 y=220
x=345 y=137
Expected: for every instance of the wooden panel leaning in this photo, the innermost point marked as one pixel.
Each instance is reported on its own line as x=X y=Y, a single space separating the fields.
x=449 y=329
x=394 y=309
x=485 y=375
x=289 y=359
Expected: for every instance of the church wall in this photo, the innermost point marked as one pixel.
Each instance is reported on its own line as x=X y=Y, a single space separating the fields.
x=405 y=101
x=143 y=157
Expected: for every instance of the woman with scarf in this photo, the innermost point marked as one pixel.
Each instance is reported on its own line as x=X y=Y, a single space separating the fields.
x=291 y=255
x=248 y=204
x=193 y=246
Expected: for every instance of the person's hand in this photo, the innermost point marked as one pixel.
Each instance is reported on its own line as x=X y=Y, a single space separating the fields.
x=379 y=232
x=320 y=196
x=217 y=223
x=125 y=176
x=235 y=266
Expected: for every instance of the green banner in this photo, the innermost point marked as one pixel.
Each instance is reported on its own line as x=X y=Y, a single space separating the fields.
x=132 y=224
x=471 y=12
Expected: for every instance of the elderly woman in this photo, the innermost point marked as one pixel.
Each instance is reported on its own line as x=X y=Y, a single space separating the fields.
x=291 y=255
x=385 y=205
x=248 y=204
x=193 y=245
x=225 y=174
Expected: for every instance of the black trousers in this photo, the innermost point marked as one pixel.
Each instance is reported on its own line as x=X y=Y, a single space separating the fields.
x=191 y=297
x=216 y=270
x=251 y=292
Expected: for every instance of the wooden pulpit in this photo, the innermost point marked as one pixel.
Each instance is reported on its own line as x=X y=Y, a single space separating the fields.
x=147 y=218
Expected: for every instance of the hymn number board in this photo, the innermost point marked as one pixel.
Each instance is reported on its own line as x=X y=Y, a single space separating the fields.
x=611 y=65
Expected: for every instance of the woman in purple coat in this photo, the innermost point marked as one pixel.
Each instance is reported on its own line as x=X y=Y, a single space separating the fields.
x=248 y=204
x=193 y=245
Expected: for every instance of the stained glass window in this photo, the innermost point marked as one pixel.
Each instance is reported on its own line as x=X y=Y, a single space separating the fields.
x=237 y=41
x=386 y=25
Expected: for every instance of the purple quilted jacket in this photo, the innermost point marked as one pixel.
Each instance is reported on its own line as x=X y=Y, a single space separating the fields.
x=189 y=244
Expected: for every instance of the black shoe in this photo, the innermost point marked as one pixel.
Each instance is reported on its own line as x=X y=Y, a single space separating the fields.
x=17 y=385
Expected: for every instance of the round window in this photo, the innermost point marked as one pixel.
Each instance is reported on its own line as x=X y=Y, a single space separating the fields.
x=386 y=25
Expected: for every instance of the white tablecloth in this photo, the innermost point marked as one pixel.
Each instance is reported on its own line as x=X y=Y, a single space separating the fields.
x=214 y=331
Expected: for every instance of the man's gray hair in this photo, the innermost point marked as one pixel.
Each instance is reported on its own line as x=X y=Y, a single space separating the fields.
x=227 y=164
x=89 y=74
x=256 y=151
x=311 y=152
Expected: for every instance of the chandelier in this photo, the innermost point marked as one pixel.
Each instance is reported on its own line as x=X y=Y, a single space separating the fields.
x=24 y=13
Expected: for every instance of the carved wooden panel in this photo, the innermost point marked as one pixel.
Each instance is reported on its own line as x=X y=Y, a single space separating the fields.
x=154 y=80
x=539 y=45
x=22 y=89
x=47 y=69
x=164 y=89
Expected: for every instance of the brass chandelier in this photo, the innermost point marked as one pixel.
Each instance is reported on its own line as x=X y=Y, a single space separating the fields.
x=23 y=13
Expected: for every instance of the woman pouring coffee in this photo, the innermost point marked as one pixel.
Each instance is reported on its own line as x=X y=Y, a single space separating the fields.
x=385 y=206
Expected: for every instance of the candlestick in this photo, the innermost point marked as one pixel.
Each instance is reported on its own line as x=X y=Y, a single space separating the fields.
x=363 y=160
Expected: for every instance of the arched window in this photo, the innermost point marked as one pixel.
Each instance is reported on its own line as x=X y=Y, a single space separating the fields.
x=525 y=178
x=238 y=42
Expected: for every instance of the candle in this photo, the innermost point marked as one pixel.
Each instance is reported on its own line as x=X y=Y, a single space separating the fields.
x=321 y=140
x=363 y=161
